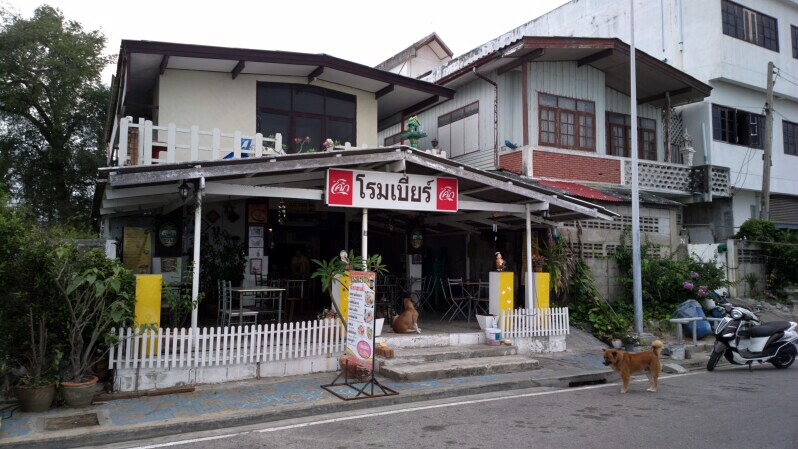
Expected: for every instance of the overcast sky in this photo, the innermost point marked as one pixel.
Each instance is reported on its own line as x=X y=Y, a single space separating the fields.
x=363 y=31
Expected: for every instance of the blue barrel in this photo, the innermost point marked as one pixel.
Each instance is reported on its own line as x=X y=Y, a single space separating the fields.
x=692 y=309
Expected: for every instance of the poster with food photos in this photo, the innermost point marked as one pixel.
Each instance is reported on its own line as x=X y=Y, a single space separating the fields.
x=360 y=327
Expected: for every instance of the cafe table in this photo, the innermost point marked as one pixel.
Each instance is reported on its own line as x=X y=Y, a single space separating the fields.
x=256 y=290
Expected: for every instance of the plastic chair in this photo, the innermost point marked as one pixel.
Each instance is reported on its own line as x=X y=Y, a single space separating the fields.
x=459 y=300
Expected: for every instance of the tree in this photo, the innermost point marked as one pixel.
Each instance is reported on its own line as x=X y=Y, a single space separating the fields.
x=52 y=112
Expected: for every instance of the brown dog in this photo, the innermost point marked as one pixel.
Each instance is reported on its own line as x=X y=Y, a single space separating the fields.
x=627 y=364
x=406 y=321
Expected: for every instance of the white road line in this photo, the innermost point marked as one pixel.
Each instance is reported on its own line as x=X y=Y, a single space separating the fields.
x=406 y=410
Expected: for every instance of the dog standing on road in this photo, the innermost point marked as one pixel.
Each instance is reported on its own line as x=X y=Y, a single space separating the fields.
x=626 y=364
x=407 y=321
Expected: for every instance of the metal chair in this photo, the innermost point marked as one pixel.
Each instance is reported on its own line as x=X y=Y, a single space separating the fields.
x=423 y=293
x=244 y=315
x=294 y=293
x=458 y=298
x=269 y=304
x=481 y=301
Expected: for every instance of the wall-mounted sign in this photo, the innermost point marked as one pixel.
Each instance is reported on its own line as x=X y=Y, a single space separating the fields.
x=168 y=234
x=380 y=190
x=416 y=239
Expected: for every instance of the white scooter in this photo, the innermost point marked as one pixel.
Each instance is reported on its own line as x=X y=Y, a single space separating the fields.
x=741 y=338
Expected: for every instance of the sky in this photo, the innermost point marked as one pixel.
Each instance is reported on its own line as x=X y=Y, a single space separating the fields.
x=363 y=31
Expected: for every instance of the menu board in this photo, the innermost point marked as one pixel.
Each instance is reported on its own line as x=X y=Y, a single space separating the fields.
x=360 y=327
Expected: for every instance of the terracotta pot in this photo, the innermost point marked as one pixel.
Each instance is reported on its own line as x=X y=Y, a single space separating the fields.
x=79 y=394
x=35 y=399
x=537 y=268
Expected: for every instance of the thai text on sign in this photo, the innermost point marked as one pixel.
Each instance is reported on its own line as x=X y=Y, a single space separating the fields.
x=380 y=190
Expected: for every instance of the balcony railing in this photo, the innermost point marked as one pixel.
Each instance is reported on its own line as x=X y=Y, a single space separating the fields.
x=676 y=178
x=144 y=143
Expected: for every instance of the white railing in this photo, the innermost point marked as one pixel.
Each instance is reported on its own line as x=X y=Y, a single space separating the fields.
x=220 y=346
x=175 y=144
x=534 y=322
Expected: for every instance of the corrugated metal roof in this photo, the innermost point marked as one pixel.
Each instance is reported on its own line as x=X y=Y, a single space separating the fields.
x=580 y=190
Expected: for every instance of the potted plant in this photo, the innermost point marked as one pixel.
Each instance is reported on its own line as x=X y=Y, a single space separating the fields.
x=180 y=302
x=97 y=299
x=330 y=272
x=537 y=262
x=38 y=377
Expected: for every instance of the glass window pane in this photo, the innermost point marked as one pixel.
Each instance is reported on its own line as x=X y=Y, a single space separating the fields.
x=547 y=100
x=340 y=105
x=270 y=124
x=472 y=109
x=458 y=114
x=567 y=103
x=341 y=131
x=444 y=120
x=586 y=106
x=308 y=99
x=308 y=135
x=274 y=96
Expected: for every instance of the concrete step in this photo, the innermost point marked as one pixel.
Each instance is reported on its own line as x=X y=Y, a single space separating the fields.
x=444 y=369
x=441 y=353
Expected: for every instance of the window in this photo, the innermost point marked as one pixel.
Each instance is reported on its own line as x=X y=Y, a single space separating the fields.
x=297 y=111
x=738 y=127
x=619 y=136
x=458 y=131
x=749 y=25
x=393 y=140
x=566 y=122
x=794 y=38
x=790 y=137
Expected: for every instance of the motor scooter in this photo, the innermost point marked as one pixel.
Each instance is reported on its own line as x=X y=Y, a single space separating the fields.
x=743 y=340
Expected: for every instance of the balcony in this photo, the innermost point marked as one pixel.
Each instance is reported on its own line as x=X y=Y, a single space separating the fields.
x=707 y=180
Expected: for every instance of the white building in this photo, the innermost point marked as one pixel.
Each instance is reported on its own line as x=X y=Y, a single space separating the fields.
x=727 y=45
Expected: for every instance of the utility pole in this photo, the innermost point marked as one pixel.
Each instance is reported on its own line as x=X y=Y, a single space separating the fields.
x=765 y=212
x=637 y=277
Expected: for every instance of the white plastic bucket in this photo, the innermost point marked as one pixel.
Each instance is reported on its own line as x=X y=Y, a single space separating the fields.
x=493 y=336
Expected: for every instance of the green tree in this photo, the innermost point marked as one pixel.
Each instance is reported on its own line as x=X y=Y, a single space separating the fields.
x=52 y=111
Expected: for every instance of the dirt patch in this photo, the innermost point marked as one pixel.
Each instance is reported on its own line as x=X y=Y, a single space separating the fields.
x=71 y=422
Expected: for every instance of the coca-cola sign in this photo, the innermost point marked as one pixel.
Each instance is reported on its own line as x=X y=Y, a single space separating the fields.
x=380 y=190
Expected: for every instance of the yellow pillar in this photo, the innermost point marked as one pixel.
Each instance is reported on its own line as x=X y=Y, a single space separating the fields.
x=148 y=302
x=542 y=283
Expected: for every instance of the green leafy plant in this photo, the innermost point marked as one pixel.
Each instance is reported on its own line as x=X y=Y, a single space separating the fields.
x=222 y=256
x=97 y=300
x=180 y=302
x=752 y=279
x=42 y=361
x=329 y=271
x=780 y=248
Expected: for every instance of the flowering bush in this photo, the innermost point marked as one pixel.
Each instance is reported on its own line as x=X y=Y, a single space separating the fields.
x=537 y=259
x=300 y=142
x=701 y=291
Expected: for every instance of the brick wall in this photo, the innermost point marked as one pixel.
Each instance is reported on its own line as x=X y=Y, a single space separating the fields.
x=513 y=162
x=547 y=164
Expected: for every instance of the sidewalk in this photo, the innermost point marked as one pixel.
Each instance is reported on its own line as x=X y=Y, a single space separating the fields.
x=243 y=403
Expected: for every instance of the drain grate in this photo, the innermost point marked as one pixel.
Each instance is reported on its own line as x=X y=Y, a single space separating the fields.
x=71 y=422
x=583 y=383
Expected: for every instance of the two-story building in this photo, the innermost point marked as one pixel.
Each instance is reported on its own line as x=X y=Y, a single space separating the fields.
x=557 y=110
x=728 y=45
x=247 y=141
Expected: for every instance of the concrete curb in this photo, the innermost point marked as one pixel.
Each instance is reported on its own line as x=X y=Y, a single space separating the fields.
x=218 y=421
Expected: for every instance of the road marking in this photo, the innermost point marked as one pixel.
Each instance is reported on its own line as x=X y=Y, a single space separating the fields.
x=404 y=410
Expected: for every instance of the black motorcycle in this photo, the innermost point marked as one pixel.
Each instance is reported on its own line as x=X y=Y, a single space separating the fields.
x=743 y=340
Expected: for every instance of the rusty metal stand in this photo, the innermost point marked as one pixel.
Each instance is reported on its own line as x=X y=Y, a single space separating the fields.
x=362 y=392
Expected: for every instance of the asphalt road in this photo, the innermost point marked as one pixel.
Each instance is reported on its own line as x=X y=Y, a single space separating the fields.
x=728 y=408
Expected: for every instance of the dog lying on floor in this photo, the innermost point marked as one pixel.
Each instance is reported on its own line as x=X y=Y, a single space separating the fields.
x=407 y=321
x=626 y=364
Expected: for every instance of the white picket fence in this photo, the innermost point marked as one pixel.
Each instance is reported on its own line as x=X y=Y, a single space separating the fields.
x=219 y=346
x=519 y=323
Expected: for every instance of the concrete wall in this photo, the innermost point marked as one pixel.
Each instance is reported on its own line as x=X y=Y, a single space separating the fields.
x=214 y=100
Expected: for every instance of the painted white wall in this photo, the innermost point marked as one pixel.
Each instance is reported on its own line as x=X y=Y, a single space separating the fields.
x=742 y=201
x=215 y=100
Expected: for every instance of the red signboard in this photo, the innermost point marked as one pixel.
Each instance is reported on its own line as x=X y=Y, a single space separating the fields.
x=380 y=190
